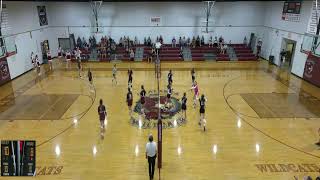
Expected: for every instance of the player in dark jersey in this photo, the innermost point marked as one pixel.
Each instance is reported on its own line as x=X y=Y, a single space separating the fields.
x=142 y=98
x=170 y=77
x=193 y=75
x=102 y=114
x=38 y=64
x=130 y=78
x=129 y=101
x=202 y=102
x=184 y=106
x=90 y=76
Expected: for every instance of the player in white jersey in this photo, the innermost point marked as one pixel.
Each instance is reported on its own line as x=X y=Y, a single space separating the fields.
x=68 y=58
x=195 y=88
x=49 y=59
x=114 y=74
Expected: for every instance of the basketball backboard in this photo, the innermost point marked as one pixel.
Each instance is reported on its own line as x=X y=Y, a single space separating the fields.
x=311 y=44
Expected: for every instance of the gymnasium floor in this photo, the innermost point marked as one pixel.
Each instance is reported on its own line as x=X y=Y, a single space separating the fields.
x=261 y=123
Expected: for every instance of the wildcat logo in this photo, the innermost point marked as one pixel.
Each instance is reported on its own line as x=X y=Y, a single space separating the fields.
x=148 y=117
x=4 y=70
x=309 y=68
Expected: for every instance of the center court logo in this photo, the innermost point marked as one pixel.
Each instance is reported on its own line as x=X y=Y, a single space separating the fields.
x=170 y=115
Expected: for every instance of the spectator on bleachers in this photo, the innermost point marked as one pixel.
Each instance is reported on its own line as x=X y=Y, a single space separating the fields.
x=161 y=39
x=225 y=47
x=215 y=41
x=173 y=42
x=184 y=41
x=149 y=42
x=84 y=42
x=180 y=41
x=210 y=42
x=193 y=43
x=145 y=41
x=121 y=42
x=131 y=55
x=221 y=40
x=202 y=41
x=136 y=41
x=79 y=42
x=198 y=41
x=245 y=41
x=230 y=43
x=188 y=42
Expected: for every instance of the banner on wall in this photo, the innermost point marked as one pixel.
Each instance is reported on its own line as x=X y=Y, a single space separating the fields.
x=42 y=15
x=312 y=70
x=4 y=71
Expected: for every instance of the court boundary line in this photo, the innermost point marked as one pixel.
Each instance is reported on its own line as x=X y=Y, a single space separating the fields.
x=257 y=129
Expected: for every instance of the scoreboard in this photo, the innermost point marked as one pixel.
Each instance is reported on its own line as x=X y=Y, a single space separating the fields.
x=291 y=11
x=292 y=7
x=18 y=158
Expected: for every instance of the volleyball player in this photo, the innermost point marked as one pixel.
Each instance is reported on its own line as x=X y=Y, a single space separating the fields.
x=169 y=92
x=78 y=57
x=114 y=74
x=49 y=60
x=193 y=75
x=142 y=98
x=59 y=52
x=36 y=59
x=195 y=88
x=202 y=120
x=79 y=67
x=129 y=101
x=102 y=114
x=130 y=78
x=184 y=106
x=90 y=76
x=68 y=58
x=170 y=77
x=33 y=61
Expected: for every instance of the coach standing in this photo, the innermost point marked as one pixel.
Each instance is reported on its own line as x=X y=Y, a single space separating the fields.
x=151 y=155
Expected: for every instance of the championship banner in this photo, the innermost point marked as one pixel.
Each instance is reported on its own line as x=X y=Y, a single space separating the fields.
x=4 y=71
x=312 y=70
x=42 y=15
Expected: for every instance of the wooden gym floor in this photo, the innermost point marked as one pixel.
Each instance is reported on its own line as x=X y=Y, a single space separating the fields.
x=261 y=123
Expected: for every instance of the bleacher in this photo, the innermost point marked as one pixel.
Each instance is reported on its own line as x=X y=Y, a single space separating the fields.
x=244 y=53
x=198 y=52
x=167 y=53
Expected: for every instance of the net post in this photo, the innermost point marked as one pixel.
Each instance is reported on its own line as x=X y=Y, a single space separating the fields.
x=159 y=116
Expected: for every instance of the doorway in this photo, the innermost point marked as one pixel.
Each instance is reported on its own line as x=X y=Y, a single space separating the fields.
x=289 y=47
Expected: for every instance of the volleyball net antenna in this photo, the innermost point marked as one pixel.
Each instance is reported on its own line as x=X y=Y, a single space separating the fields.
x=96 y=6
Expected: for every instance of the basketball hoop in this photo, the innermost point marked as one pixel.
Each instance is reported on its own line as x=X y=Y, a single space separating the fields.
x=96 y=6
x=207 y=23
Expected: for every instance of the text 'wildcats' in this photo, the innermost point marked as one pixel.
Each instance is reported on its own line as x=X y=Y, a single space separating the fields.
x=276 y=168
